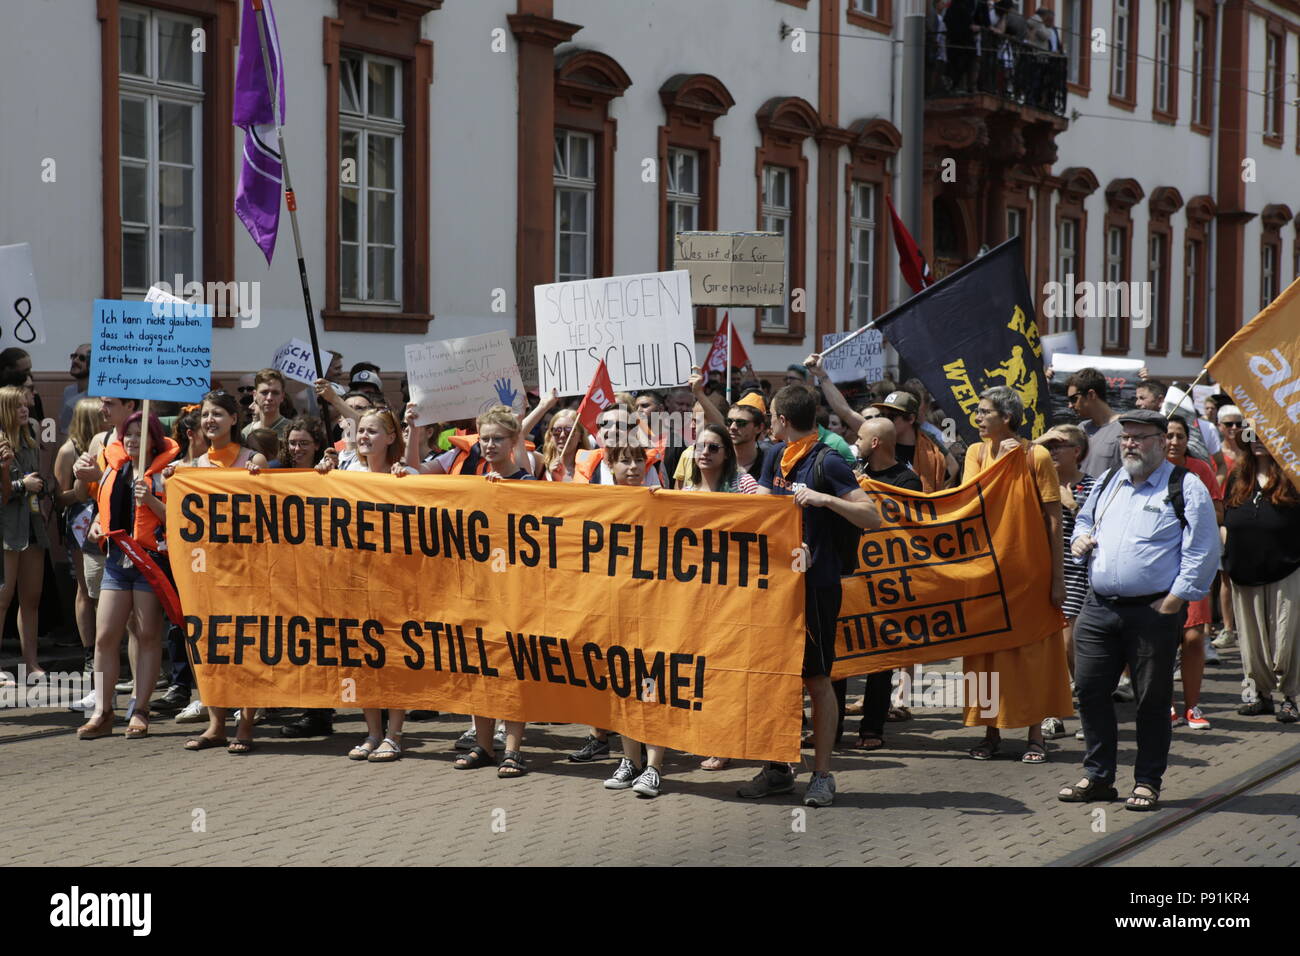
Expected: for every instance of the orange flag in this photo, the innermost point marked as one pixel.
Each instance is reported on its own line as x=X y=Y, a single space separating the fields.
x=1260 y=368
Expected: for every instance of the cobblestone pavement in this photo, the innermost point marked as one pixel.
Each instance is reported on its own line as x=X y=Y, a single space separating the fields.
x=920 y=801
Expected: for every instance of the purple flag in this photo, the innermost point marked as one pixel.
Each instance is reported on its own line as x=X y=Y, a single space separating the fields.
x=257 y=200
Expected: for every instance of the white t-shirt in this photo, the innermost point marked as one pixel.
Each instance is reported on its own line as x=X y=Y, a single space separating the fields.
x=1211 y=436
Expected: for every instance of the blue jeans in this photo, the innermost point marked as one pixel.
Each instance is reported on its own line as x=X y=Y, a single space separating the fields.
x=1108 y=636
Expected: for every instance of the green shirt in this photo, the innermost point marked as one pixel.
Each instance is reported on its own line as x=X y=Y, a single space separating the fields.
x=828 y=437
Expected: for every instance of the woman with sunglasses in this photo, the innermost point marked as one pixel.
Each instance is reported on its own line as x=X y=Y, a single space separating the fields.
x=1231 y=425
x=1033 y=680
x=713 y=467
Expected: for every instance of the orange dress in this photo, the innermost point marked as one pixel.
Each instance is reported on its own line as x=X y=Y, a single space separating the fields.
x=1033 y=680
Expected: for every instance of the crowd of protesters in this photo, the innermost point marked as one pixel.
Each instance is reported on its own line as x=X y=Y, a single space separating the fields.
x=1143 y=511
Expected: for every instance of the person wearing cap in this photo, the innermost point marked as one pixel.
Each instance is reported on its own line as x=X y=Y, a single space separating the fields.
x=1144 y=566
x=367 y=380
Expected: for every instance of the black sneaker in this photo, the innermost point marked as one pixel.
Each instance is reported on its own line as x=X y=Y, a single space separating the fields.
x=174 y=700
x=1254 y=708
x=773 y=778
x=314 y=723
x=592 y=749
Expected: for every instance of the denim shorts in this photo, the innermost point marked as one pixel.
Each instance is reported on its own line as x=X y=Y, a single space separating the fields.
x=119 y=576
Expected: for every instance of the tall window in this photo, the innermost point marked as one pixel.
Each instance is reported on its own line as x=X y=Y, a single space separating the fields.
x=1268 y=273
x=1119 y=61
x=161 y=96
x=370 y=148
x=1164 y=43
x=1072 y=38
x=1067 y=266
x=683 y=194
x=778 y=213
x=1115 y=272
x=1158 y=304
x=862 y=255
x=1015 y=222
x=1200 y=36
x=575 y=201
x=1193 y=254
x=1273 y=86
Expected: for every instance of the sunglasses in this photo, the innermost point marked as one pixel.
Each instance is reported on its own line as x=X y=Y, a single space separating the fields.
x=245 y=388
x=739 y=422
x=1232 y=424
x=707 y=446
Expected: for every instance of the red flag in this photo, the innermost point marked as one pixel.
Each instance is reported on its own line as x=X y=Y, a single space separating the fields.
x=911 y=261
x=716 y=360
x=600 y=395
x=163 y=588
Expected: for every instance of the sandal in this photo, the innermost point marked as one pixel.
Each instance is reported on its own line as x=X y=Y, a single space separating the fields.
x=94 y=728
x=987 y=750
x=1035 y=753
x=1086 y=791
x=475 y=758
x=715 y=763
x=869 y=741
x=203 y=743
x=512 y=765
x=136 y=732
x=1143 y=801
x=898 y=714
x=363 y=750
x=386 y=752
x=240 y=746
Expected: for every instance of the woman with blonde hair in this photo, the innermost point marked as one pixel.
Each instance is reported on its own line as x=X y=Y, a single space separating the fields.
x=87 y=416
x=379 y=446
x=22 y=524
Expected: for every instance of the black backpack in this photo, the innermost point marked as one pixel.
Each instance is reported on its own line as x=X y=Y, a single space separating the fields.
x=846 y=537
x=1174 y=492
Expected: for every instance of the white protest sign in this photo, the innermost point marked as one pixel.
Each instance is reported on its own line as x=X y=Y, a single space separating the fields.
x=863 y=358
x=525 y=347
x=296 y=361
x=21 y=321
x=461 y=378
x=1062 y=342
x=641 y=325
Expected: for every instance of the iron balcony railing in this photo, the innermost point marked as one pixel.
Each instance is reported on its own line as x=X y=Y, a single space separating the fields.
x=998 y=65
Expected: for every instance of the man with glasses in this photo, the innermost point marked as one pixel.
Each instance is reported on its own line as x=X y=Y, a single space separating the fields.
x=80 y=372
x=745 y=421
x=1146 y=564
x=1086 y=396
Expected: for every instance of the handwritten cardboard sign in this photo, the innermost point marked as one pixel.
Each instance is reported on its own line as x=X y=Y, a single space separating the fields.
x=296 y=361
x=159 y=350
x=733 y=268
x=525 y=347
x=641 y=325
x=21 y=321
x=460 y=378
x=863 y=358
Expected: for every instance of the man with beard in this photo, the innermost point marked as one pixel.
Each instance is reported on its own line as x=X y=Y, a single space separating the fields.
x=1151 y=554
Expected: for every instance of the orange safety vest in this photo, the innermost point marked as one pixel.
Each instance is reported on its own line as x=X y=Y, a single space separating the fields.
x=469 y=459
x=587 y=462
x=147 y=523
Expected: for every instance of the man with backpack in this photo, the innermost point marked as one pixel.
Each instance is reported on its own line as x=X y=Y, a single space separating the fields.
x=1149 y=532
x=835 y=512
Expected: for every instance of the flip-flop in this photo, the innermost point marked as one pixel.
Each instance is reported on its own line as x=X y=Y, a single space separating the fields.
x=869 y=742
x=203 y=743
x=387 y=752
x=715 y=763
x=240 y=747
x=363 y=750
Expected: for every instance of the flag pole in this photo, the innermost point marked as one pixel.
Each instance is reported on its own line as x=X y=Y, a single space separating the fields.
x=288 y=183
x=850 y=337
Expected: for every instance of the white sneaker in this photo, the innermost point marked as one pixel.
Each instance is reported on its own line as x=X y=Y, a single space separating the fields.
x=1053 y=728
x=499 y=739
x=86 y=704
x=1227 y=638
x=194 y=713
x=1211 y=654
x=1079 y=735
x=1124 y=692
x=467 y=740
x=647 y=785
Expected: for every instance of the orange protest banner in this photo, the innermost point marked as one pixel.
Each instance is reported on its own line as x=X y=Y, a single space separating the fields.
x=950 y=573
x=1260 y=368
x=673 y=617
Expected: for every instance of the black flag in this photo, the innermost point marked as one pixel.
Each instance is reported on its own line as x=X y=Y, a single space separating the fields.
x=972 y=330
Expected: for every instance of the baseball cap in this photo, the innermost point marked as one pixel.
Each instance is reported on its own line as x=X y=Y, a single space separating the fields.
x=366 y=377
x=1144 y=416
x=754 y=400
x=900 y=401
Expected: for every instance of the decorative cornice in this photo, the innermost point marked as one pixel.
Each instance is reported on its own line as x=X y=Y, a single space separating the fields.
x=547 y=31
x=696 y=93
x=1124 y=194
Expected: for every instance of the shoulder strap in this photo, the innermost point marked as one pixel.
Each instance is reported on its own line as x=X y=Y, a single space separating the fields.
x=1102 y=482
x=819 y=471
x=1176 y=493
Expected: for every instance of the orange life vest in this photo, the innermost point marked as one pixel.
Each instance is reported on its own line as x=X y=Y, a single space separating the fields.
x=146 y=523
x=469 y=458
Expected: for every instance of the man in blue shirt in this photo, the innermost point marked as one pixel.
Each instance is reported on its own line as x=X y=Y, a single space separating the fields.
x=790 y=469
x=1146 y=566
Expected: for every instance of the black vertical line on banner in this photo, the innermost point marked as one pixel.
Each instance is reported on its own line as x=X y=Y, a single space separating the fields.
x=289 y=197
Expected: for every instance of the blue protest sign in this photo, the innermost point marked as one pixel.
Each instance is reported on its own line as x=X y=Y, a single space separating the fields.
x=158 y=350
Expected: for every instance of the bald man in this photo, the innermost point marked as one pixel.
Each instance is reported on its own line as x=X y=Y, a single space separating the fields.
x=876 y=440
